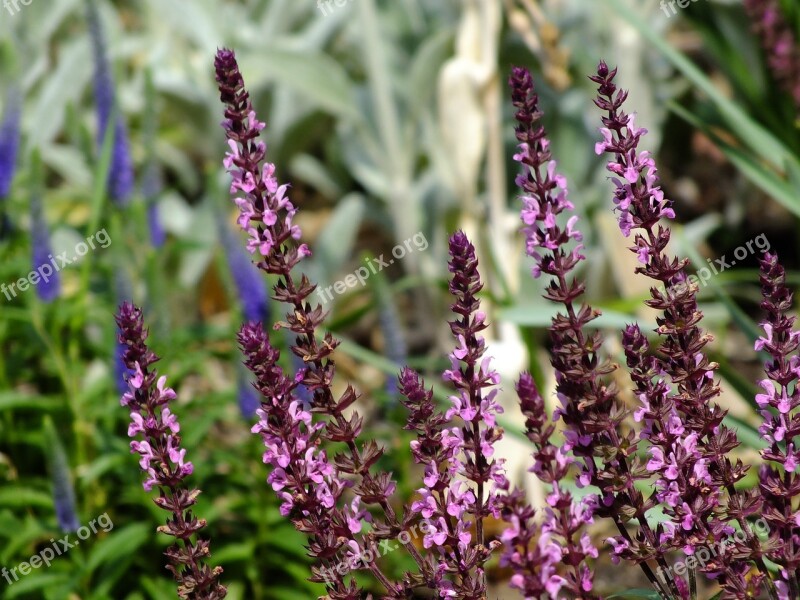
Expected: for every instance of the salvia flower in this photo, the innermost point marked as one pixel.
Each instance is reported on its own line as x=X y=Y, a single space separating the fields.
x=696 y=481
x=155 y=434
x=475 y=380
x=455 y=455
x=266 y=214
x=120 y=173
x=780 y=44
x=589 y=407
x=779 y=479
x=555 y=561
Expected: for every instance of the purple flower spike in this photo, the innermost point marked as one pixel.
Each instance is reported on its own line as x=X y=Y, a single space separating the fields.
x=475 y=381
x=152 y=182
x=310 y=487
x=248 y=398
x=266 y=213
x=9 y=141
x=563 y=539
x=697 y=476
x=151 y=189
x=444 y=502
x=462 y=483
x=589 y=407
x=9 y=147
x=63 y=489
x=49 y=290
x=155 y=430
x=302 y=476
x=638 y=198
x=779 y=479
x=120 y=175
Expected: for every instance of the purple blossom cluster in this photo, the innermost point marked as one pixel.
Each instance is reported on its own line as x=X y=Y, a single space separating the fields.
x=266 y=214
x=562 y=536
x=301 y=476
x=155 y=427
x=9 y=140
x=331 y=501
x=588 y=405
x=676 y=461
x=163 y=461
x=259 y=197
x=456 y=455
x=690 y=446
x=779 y=481
x=687 y=446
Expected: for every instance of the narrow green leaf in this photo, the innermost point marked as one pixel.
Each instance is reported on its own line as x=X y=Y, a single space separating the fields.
x=118 y=545
x=636 y=593
x=767 y=146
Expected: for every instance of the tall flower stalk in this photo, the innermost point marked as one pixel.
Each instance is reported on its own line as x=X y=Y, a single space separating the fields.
x=462 y=481
x=696 y=480
x=152 y=180
x=589 y=407
x=779 y=480
x=311 y=487
x=454 y=456
x=155 y=430
x=558 y=558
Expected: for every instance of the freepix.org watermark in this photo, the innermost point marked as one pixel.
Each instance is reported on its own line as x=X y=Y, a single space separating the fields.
x=57 y=548
x=417 y=242
x=358 y=558
x=326 y=7
x=669 y=5
x=718 y=265
x=704 y=554
x=12 y=6
x=45 y=271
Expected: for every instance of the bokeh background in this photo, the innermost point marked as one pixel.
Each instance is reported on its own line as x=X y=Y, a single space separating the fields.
x=391 y=119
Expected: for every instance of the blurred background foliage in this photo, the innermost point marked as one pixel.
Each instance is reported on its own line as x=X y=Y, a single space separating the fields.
x=390 y=119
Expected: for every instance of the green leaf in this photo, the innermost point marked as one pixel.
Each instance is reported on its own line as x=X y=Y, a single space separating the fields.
x=749 y=132
x=121 y=544
x=39 y=581
x=750 y=166
x=12 y=400
x=636 y=593
x=27 y=498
